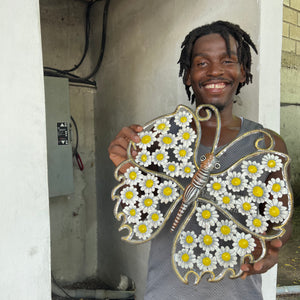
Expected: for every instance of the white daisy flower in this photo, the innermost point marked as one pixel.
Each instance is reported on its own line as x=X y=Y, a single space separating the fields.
x=129 y=194
x=188 y=239
x=155 y=218
x=167 y=140
x=168 y=192
x=144 y=158
x=243 y=243
x=133 y=176
x=226 y=230
x=257 y=223
x=148 y=202
x=162 y=125
x=245 y=206
x=183 y=118
x=207 y=215
x=142 y=230
x=277 y=187
x=236 y=181
x=252 y=169
x=172 y=169
x=149 y=184
x=147 y=139
x=275 y=211
x=257 y=190
x=160 y=157
x=226 y=257
x=186 y=136
x=271 y=162
x=183 y=153
x=216 y=186
x=132 y=213
x=206 y=262
x=185 y=258
x=226 y=200
x=187 y=170
x=208 y=240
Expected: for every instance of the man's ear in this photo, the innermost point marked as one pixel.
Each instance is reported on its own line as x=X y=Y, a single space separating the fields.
x=187 y=78
x=243 y=77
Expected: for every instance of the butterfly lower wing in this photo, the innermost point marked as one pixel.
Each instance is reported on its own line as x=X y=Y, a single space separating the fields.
x=152 y=187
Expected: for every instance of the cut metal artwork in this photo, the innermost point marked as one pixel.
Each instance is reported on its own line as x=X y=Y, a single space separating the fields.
x=227 y=201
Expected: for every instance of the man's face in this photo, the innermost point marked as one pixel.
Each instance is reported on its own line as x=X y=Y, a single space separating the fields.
x=215 y=75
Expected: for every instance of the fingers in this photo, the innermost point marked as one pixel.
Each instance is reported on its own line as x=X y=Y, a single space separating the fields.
x=118 y=147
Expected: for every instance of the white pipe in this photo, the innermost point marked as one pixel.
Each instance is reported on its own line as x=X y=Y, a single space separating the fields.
x=288 y=290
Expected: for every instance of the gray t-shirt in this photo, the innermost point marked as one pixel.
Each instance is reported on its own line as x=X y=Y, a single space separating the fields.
x=163 y=284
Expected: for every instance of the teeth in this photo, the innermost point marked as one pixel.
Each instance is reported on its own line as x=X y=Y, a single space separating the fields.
x=215 y=85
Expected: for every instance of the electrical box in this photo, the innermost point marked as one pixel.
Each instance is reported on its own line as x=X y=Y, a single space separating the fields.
x=59 y=148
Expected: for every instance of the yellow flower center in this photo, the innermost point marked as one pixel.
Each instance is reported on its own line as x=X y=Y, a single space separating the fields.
x=155 y=217
x=225 y=229
x=271 y=163
x=206 y=261
x=146 y=139
x=246 y=206
x=161 y=126
x=132 y=212
x=216 y=186
x=186 y=136
x=149 y=183
x=183 y=119
x=159 y=156
x=274 y=211
x=226 y=200
x=182 y=153
x=256 y=222
x=144 y=158
x=185 y=257
x=189 y=239
x=236 y=181
x=142 y=228
x=171 y=168
x=243 y=243
x=167 y=140
x=258 y=191
x=276 y=187
x=206 y=214
x=132 y=175
x=167 y=191
x=226 y=256
x=252 y=169
x=207 y=240
x=148 y=202
x=129 y=195
x=187 y=170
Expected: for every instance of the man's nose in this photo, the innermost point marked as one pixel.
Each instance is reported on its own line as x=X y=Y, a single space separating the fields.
x=215 y=69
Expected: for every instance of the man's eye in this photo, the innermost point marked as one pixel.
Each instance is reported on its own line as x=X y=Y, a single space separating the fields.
x=201 y=64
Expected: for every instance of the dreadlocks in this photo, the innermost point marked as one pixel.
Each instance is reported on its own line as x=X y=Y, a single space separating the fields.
x=225 y=29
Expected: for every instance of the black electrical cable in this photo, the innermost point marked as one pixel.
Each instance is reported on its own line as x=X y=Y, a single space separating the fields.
x=75 y=151
x=48 y=71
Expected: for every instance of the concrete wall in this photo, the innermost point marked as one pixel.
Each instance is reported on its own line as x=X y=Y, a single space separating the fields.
x=74 y=217
x=24 y=203
x=290 y=88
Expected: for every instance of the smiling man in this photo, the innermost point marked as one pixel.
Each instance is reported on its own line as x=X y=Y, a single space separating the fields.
x=216 y=63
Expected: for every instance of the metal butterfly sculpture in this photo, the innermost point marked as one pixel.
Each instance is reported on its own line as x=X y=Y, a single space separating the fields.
x=230 y=200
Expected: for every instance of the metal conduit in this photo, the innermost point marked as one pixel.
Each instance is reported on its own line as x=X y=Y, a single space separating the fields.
x=288 y=290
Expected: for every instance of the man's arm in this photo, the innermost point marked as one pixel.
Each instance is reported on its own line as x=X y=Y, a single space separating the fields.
x=274 y=246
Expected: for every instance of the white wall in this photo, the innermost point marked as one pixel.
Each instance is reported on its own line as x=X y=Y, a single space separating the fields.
x=24 y=222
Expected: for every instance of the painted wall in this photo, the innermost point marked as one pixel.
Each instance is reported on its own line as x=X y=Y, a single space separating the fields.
x=74 y=222
x=24 y=204
x=290 y=88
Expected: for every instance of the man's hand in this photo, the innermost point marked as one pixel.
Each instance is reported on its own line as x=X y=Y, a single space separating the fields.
x=118 y=147
x=266 y=263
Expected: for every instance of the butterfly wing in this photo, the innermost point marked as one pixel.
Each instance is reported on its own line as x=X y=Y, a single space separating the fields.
x=241 y=207
x=153 y=185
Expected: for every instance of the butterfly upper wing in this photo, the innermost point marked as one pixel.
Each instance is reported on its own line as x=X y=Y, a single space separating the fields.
x=152 y=187
x=241 y=207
